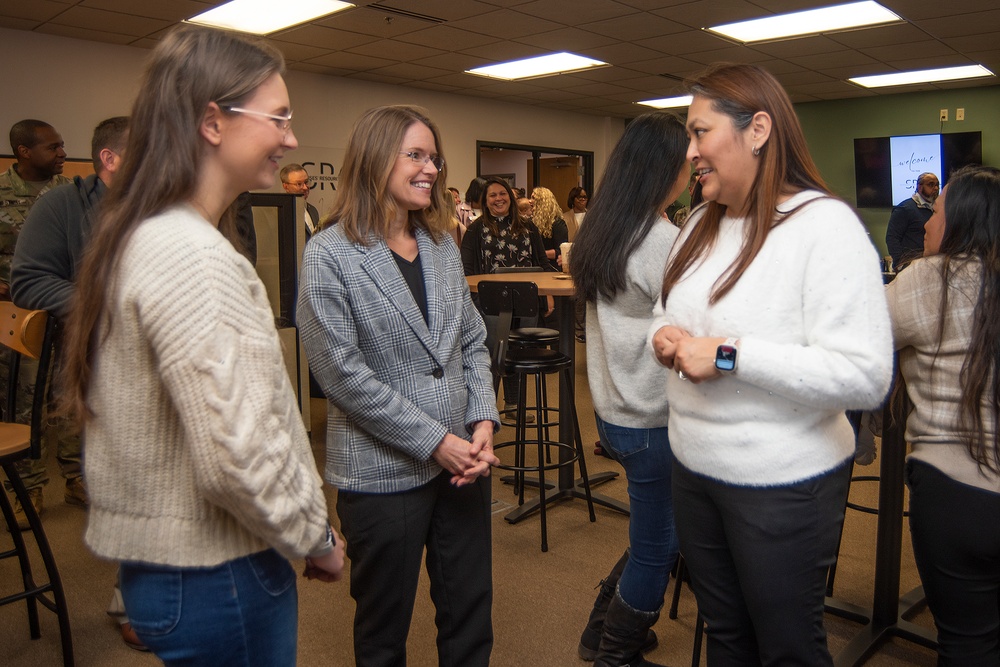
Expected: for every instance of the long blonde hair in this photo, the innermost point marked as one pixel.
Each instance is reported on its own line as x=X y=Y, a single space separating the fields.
x=547 y=210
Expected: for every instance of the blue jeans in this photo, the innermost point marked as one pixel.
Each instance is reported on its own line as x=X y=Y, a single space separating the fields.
x=645 y=455
x=240 y=613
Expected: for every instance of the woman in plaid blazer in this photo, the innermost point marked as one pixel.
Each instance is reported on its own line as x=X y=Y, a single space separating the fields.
x=397 y=346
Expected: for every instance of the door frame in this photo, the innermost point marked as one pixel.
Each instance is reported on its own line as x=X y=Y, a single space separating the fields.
x=586 y=157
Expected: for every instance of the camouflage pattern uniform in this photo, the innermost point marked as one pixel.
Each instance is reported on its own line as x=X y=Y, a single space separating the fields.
x=16 y=199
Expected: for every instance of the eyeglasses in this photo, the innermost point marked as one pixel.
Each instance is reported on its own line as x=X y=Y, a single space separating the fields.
x=582 y=197
x=420 y=158
x=284 y=123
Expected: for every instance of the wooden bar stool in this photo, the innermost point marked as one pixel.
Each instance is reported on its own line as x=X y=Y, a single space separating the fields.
x=29 y=333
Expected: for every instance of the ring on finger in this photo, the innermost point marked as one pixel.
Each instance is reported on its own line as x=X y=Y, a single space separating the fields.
x=681 y=375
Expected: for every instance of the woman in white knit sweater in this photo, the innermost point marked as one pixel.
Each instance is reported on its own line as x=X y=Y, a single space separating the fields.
x=773 y=316
x=200 y=472
x=945 y=312
x=618 y=260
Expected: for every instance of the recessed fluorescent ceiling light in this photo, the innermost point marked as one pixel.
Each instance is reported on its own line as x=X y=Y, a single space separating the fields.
x=262 y=17
x=922 y=76
x=809 y=22
x=668 y=102
x=555 y=63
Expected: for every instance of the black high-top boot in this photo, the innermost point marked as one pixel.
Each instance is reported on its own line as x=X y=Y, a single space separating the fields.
x=625 y=631
x=591 y=637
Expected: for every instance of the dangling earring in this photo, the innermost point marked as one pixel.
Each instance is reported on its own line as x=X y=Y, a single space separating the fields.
x=755 y=151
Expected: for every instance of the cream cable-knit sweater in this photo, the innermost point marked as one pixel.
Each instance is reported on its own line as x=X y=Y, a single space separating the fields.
x=197 y=453
x=815 y=340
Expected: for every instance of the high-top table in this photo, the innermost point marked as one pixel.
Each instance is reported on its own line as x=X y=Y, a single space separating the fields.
x=886 y=618
x=560 y=286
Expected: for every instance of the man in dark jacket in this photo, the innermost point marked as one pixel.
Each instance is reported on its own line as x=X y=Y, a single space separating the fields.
x=904 y=237
x=48 y=253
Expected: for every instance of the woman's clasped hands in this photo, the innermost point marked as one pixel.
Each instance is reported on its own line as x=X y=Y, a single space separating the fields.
x=467 y=460
x=692 y=357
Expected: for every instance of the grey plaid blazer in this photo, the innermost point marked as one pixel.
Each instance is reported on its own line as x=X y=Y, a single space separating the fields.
x=395 y=383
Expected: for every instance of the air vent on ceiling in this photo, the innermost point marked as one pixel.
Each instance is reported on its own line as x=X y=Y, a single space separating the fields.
x=402 y=12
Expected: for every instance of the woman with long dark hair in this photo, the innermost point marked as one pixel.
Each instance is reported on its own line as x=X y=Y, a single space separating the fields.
x=773 y=316
x=618 y=261
x=945 y=312
x=397 y=346
x=201 y=477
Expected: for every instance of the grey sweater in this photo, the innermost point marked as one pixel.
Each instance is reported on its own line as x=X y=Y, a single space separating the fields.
x=50 y=247
x=628 y=385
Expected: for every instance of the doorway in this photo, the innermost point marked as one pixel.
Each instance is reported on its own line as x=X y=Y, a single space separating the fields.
x=557 y=169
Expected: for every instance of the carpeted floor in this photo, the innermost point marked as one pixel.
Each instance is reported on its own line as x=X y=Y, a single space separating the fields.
x=541 y=600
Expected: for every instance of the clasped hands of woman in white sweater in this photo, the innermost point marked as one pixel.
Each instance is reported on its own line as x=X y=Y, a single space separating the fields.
x=693 y=358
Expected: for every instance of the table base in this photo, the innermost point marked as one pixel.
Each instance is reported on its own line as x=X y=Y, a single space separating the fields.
x=874 y=634
x=558 y=494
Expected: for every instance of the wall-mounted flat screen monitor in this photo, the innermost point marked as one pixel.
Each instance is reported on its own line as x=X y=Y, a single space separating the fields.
x=886 y=168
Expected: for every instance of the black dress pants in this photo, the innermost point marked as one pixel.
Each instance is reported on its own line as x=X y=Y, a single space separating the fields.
x=386 y=535
x=758 y=558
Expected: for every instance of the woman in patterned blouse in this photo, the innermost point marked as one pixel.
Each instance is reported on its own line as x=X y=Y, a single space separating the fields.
x=500 y=237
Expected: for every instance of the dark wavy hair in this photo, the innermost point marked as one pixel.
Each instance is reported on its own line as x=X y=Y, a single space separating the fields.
x=517 y=226
x=642 y=169
x=972 y=240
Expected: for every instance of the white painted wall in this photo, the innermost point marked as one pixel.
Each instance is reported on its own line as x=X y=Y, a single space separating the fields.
x=74 y=84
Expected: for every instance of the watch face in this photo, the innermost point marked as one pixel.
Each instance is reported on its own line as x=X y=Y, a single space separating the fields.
x=725 y=358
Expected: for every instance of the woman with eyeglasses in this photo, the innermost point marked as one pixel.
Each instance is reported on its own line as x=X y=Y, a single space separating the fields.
x=945 y=310
x=395 y=342
x=772 y=315
x=576 y=209
x=201 y=476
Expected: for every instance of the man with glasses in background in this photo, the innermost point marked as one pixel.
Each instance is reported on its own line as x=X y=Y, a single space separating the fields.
x=295 y=181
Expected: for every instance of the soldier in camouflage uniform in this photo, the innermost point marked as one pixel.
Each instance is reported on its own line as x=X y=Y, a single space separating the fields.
x=39 y=151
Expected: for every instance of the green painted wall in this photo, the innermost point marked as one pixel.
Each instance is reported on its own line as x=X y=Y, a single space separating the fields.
x=831 y=127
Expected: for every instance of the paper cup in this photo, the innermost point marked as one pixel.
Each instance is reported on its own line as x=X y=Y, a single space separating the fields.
x=564 y=249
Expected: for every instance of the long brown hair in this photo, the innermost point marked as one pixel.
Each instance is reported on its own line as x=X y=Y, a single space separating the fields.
x=190 y=68
x=971 y=245
x=784 y=167
x=364 y=208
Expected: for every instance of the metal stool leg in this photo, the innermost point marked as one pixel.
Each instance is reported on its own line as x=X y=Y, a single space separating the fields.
x=699 y=633
x=33 y=592
x=678 y=582
x=579 y=449
x=539 y=379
